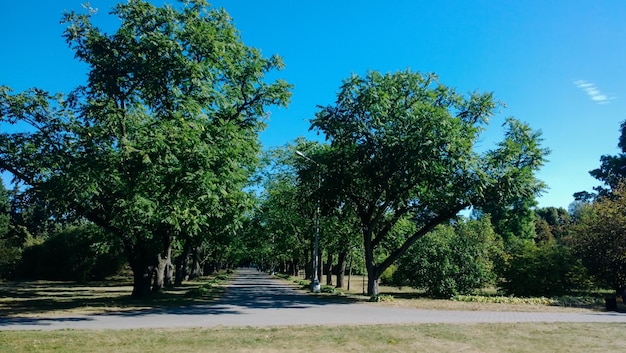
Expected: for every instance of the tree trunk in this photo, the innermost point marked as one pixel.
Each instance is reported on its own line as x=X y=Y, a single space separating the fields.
x=196 y=268
x=350 y=271
x=294 y=268
x=142 y=269
x=309 y=267
x=142 y=276
x=372 y=284
x=159 y=274
x=329 y=268
x=320 y=265
x=162 y=262
x=182 y=264
x=169 y=272
x=370 y=266
x=341 y=267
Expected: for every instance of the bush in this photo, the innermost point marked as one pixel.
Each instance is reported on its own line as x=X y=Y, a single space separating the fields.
x=76 y=253
x=200 y=291
x=451 y=260
x=10 y=256
x=387 y=277
x=548 y=270
x=382 y=298
x=328 y=289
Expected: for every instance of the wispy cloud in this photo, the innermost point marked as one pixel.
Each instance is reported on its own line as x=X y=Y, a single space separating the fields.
x=593 y=92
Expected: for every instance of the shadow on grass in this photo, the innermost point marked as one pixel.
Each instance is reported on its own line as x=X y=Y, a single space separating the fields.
x=41 y=298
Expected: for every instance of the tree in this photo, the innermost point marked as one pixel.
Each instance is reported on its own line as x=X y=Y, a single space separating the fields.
x=10 y=250
x=452 y=259
x=552 y=223
x=402 y=145
x=599 y=238
x=612 y=169
x=165 y=131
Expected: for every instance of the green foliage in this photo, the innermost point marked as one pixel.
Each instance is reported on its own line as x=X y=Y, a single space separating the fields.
x=78 y=253
x=612 y=169
x=329 y=289
x=386 y=278
x=599 y=240
x=160 y=142
x=10 y=252
x=203 y=290
x=10 y=256
x=402 y=146
x=451 y=260
x=502 y=300
x=564 y=301
x=520 y=155
x=381 y=298
x=547 y=269
x=222 y=276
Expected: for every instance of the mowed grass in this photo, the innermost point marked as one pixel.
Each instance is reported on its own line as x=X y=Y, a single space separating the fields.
x=49 y=299
x=526 y=337
x=54 y=298
x=407 y=297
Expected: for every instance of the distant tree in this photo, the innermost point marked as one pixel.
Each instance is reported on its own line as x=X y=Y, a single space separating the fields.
x=599 y=238
x=402 y=145
x=551 y=223
x=10 y=249
x=5 y=210
x=513 y=216
x=165 y=131
x=452 y=259
x=612 y=168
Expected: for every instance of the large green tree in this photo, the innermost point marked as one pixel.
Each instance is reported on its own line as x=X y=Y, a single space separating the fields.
x=160 y=138
x=402 y=145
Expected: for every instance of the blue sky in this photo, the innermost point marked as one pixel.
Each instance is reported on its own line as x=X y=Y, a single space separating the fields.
x=558 y=65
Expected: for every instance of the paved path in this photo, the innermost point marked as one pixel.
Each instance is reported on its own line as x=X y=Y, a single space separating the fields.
x=255 y=299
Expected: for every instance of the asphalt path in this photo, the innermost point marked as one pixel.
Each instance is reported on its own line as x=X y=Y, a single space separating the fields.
x=255 y=299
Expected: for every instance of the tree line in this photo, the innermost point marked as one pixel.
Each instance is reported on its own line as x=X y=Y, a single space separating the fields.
x=155 y=163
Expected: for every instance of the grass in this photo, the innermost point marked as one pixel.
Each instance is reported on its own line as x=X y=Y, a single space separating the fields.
x=52 y=298
x=526 y=337
x=486 y=300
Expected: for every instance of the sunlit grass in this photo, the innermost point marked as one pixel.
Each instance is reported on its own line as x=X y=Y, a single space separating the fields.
x=526 y=337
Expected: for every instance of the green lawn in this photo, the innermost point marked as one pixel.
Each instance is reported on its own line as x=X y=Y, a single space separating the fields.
x=527 y=337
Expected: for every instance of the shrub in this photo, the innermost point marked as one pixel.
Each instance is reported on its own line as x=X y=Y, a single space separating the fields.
x=328 y=289
x=382 y=298
x=200 y=291
x=387 y=277
x=451 y=259
x=547 y=269
x=76 y=253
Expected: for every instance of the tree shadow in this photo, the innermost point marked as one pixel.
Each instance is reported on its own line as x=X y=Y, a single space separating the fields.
x=248 y=290
x=45 y=298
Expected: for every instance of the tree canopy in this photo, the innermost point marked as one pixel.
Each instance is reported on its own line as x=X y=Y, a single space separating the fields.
x=163 y=137
x=403 y=145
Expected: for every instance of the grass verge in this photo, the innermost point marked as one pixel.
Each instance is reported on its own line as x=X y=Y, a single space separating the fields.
x=488 y=301
x=526 y=337
x=51 y=298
